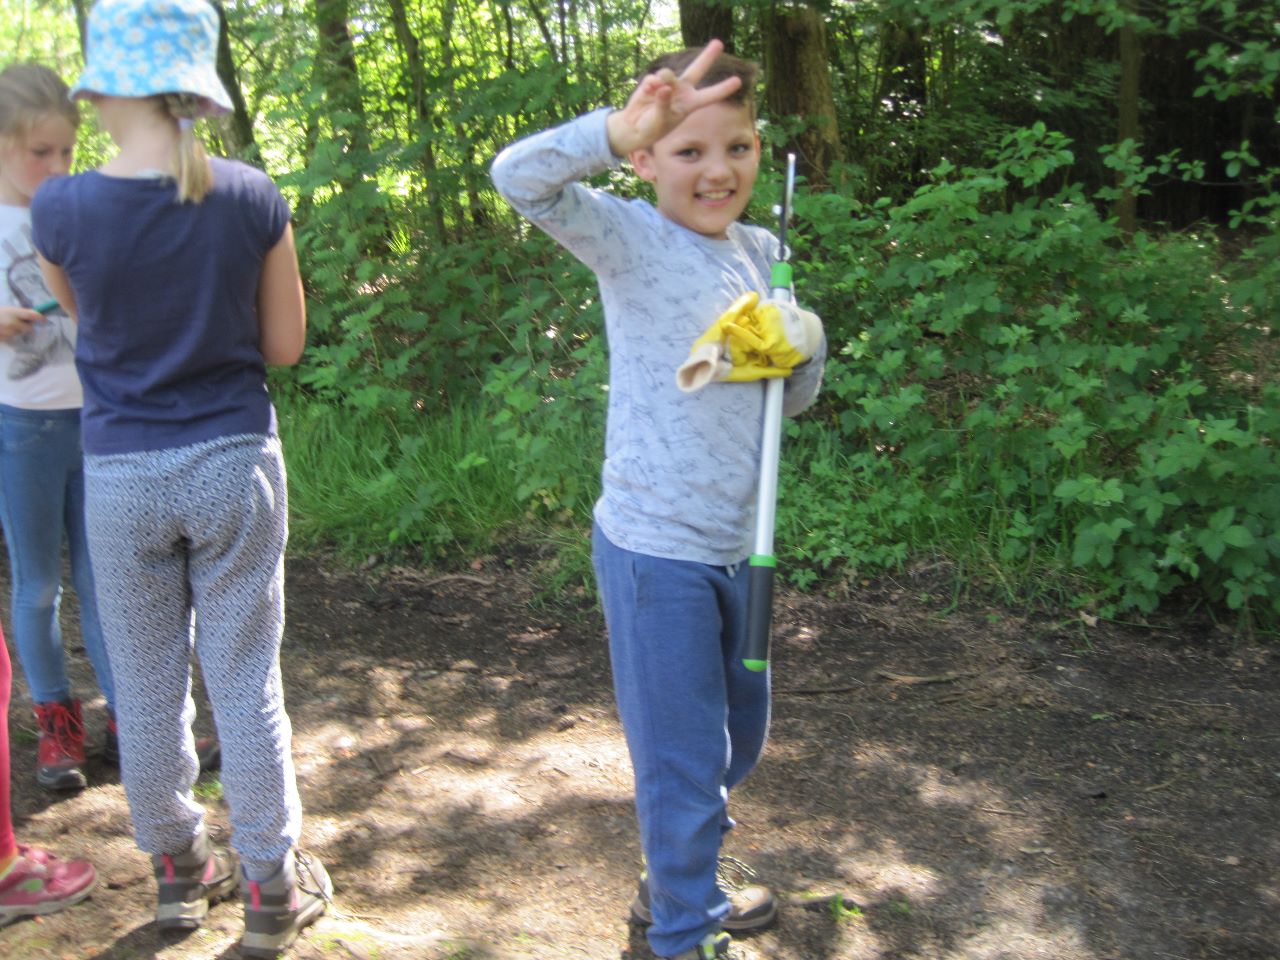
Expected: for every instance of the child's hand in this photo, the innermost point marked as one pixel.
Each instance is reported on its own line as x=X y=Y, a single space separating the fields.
x=15 y=321
x=662 y=100
x=752 y=340
x=773 y=333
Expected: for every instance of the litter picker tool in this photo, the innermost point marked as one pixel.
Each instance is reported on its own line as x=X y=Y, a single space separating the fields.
x=763 y=564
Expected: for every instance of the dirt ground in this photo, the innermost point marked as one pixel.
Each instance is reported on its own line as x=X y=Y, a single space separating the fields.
x=961 y=784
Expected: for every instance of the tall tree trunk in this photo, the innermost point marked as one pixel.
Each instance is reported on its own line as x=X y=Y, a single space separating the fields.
x=900 y=99
x=509 y=32
x=703 y=20
x=798 y=83
x=943 y=82
x=602 y=38
x=1130 y=69
x=310 y=139
x=238 y=130
x=339 y=75
x=82 y=19
x=564 y=31
x=469 y=169
x=421 y=116
x=579 y=59
x=545 y=30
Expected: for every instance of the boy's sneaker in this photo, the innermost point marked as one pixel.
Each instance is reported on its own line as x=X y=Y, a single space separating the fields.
x=208 y=749
x=60 y=752
x=710 y=947
x=751 y=905
x=38 y=883
x=192 y=881
x=276 y=910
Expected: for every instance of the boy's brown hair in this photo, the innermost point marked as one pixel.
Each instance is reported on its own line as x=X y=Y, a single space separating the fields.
x=722 y=68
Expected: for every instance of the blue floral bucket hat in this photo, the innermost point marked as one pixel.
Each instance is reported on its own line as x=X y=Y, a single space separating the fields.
x=139 y=48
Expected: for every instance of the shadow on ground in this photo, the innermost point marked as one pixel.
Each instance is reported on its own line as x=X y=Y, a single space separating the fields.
x=962 y=784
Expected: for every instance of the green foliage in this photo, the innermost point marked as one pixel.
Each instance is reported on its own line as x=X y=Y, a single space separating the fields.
x=843 y=910
x=1038 y=397
x=208 y=789
x=426 y=487
x=549 y=418
x=844 y=513
x=38 y=31
x=1014 y=386
x=436 y=483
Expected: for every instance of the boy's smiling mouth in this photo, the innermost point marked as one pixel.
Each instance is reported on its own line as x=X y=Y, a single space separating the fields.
x=715 y=196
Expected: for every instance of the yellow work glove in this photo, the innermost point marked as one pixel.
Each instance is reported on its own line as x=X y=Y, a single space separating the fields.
x=751 y=341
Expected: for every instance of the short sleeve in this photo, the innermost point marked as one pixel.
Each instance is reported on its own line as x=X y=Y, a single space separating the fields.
x=253 y=201
x=46 y=232
x=270 y=211
x=276 y=212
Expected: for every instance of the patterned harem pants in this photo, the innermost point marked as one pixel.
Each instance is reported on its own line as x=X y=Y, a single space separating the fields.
x=188 y=545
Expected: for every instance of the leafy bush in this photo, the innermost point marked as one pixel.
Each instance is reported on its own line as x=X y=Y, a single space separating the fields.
x=1013 y=384
x=1046 y=397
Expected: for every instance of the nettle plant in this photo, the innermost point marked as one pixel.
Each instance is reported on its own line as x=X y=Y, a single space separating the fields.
x=1019 y=386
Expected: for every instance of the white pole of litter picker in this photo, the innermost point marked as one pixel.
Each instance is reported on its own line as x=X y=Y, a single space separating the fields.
x=763 y=564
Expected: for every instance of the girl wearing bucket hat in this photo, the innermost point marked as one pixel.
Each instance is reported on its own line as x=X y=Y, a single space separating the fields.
x=183 y=275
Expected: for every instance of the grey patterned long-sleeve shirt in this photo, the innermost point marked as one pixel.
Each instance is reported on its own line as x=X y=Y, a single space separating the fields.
x=680 y=469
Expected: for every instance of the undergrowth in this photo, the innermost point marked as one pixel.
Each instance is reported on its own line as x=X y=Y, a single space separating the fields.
x=1061 y=412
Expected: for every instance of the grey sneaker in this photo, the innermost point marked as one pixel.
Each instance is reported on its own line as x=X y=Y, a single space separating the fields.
x=714 y=946
x=276 y=910
x=751 y=905
x=191 y=881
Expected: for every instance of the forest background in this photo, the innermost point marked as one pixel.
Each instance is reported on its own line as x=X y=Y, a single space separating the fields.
x=1043 y=237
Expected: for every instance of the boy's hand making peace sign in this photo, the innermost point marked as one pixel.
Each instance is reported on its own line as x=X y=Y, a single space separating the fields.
x=662 y=100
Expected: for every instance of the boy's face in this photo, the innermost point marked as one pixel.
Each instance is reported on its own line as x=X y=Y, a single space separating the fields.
x=703 y=171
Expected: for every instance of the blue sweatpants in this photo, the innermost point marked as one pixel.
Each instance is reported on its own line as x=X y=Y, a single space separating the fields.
x=188 y=548
x=694 y=717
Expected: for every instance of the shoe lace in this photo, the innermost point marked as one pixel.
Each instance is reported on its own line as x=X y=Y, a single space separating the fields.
x=306 y=879
x=734 y=876
x=61 y=725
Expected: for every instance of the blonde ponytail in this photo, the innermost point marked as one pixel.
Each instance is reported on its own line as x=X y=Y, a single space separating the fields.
x=190 y=162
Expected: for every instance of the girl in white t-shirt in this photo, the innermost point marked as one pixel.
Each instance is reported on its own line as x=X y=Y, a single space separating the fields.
x=41 y=485
x=41 y=475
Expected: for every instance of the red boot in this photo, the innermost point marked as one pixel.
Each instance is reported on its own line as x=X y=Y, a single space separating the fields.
x=60 y=753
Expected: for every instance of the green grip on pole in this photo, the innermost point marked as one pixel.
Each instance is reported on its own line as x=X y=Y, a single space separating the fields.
x=755 y=655
x=780 y=275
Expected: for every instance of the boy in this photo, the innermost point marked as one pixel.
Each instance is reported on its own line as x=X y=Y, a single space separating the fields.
x=673 y=523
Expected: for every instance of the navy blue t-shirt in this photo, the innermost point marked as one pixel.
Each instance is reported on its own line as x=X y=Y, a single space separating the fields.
x=167 y=348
